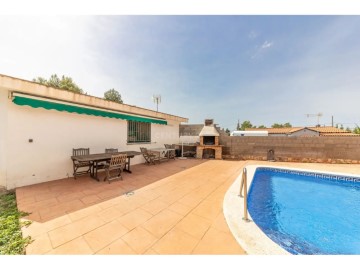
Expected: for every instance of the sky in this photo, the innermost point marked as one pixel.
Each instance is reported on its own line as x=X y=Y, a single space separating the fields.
x=262 y=68
x=259 y=62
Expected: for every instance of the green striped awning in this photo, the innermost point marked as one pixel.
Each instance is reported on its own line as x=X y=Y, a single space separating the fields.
x=36 y=102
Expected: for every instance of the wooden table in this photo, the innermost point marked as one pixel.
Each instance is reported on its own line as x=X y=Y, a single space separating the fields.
x=95 y=159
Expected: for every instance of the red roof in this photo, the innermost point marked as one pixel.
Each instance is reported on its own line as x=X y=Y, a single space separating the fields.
x=323 y=131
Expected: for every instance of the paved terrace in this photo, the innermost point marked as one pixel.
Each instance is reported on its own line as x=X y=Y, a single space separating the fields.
x=175 y=207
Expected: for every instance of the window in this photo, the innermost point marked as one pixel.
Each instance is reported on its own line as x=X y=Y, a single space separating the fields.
x=138 y=132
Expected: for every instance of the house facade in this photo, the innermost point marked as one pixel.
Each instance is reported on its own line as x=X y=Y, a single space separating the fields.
x=41 y=125
x=304 y=131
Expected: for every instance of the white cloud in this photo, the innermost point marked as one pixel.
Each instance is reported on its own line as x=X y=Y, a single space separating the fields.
x=253 y=35
x=266 y=44
x=33 y=46
x=260 y=50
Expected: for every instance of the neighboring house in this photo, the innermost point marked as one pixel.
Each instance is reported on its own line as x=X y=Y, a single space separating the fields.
x=40 y=125
x=305 y=131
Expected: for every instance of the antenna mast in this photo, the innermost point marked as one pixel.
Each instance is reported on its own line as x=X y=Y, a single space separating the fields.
x=315 y=115
x=157 y=100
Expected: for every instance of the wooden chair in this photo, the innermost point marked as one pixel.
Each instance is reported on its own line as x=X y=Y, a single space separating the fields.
x=111 y=150
x=101 y=165
x=170 y=154
x=117 y=163
x=81 y=164
x=150 y=157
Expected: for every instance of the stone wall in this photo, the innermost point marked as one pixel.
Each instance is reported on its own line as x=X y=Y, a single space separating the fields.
x=293 y=149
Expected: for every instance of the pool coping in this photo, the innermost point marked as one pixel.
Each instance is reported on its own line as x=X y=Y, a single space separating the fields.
x=253 y=240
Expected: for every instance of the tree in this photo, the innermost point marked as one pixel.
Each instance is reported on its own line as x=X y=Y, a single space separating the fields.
x=227 y=131
x=261 y=126
x=65 y=83
x=113 y=95
x=276 y=125
x=357 y=130
x=246 y=124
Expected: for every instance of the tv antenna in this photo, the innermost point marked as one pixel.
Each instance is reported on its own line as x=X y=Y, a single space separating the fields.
x=318 y=115
x=157 y=100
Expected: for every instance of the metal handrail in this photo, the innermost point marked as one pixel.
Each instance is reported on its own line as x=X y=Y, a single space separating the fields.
x=243 y=185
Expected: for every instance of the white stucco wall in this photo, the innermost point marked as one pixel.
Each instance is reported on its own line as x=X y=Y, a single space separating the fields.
x=54 y=134
x=3 y=133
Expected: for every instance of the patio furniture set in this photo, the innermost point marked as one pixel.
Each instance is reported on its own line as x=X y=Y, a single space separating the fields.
x=113 y=160
x=154 y=155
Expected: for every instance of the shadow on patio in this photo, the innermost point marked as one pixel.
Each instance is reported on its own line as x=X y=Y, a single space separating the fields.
x=172 y=208
x=53 y=199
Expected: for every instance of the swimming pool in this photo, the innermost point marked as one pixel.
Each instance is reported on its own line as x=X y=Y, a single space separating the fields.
x=306 y=212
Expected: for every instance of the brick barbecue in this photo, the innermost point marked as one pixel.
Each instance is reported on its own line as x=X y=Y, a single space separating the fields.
x=209 y=142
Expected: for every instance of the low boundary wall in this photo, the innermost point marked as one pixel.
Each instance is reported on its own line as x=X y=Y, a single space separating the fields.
x=293 y=149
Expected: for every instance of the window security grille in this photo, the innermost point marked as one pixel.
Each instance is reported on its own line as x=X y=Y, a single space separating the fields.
x=138 y=132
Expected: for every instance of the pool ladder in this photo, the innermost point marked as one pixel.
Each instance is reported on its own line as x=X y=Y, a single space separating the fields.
x=243 y=185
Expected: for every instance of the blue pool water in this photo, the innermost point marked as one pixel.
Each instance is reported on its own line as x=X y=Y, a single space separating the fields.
x=307 y=213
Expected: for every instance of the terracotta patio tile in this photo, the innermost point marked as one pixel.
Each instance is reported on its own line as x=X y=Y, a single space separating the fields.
x=79 y=214
x=60 y=209
x=110 y=202
x=135 y=200
x=180 y=208
x=46 y=196
x=71 y=231
x=150 y=251
x=31 y=207
x=70 y=196
x=220 y=224
x=191 y=199
x=110 y=193
x=105 y=235
x=218 y=242
x=175 y=242
x=91 y=191
x=75 y=205
x=40 y=245
x=47 y=215
x=90 y=199
x=173 y=195
x=161 y=223
x=134 y=218
x=194 y=225
x=36 y=228
x=34 y=216
x=181 y=194
x=110 y=214
x=125 y=206
x=25 y=201
x=155 y=206
x=164 y=189
x=149 y=194
x=76 y=246
x=217 y=195
x=206 y=190
x=139 y=239
x=117 y=247
x=208 y=209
